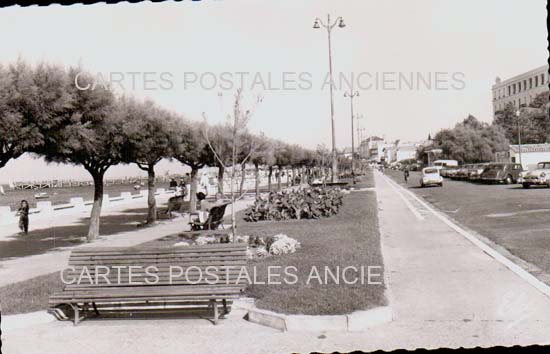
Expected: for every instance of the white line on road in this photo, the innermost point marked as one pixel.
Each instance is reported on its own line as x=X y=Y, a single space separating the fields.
x=522 y=273
x=407 y=202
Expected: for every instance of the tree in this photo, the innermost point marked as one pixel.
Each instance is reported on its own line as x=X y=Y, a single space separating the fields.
x=148 y=138
x=89 y=134
x=30 y=98
x=533 y=123
x=263 y=154
x=192 y=150
x=470 y=141
x=236 y=125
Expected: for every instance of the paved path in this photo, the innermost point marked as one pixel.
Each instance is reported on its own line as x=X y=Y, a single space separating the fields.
x=445 y=292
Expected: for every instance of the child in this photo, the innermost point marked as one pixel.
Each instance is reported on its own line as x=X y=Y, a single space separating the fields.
x=23 y=213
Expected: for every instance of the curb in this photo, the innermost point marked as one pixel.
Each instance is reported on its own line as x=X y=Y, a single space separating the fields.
x=358 y=321
x=22 y=321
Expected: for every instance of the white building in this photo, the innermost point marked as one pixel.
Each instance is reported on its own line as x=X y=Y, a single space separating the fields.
x=521 y=89
x=531 y=155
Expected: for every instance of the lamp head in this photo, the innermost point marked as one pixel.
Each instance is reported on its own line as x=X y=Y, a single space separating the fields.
x=316 y=24
x=341 y=24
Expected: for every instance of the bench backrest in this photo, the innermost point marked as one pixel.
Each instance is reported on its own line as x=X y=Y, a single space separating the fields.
x=216 y=264
x=215 y=217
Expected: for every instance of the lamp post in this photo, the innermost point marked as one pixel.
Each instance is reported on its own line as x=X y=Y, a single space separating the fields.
x=518 y=114
x=351 y=94
x=329 y=26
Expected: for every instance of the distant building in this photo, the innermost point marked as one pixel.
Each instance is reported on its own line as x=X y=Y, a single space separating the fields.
x=371 y=149
x=376 y=149
x=531 y=155
x=521 y=89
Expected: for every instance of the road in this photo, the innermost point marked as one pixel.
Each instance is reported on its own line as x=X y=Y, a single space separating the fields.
x=514 y=219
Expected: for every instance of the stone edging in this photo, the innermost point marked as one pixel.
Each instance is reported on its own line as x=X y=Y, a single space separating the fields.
x=358 y=321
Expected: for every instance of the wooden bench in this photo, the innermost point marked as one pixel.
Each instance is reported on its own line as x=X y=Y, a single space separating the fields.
x=208 y=282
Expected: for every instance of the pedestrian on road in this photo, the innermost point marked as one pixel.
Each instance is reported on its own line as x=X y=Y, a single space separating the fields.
x=406 y=174
x=23 y=213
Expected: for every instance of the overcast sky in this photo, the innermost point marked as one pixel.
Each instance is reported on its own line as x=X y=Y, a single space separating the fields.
x=472 y=41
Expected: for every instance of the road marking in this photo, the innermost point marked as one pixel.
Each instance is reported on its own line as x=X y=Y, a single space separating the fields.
x=522 y=273
x=407 y=202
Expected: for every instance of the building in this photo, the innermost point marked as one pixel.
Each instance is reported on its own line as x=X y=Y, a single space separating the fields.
x=531 y=155
x=371 y=148
x=521 y=89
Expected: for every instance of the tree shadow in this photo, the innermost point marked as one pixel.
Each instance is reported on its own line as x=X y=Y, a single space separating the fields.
x=53 y=238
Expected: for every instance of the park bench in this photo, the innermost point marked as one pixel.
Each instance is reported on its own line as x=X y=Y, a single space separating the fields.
x=214 y=220
x=135 y=292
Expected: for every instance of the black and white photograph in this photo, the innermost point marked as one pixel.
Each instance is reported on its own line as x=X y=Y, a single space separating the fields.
x=284 y=176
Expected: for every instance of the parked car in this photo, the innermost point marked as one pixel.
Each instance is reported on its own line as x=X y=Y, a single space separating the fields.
x=474 y=173
x=446 y=167
x=539 y=177
x=505 y=172
x=430 y=176
x=463 y=172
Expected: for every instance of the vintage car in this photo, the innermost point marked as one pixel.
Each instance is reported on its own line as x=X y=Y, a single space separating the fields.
x=503 y=172
x=430 y=177
x=538 y=177
x=474 y=173
x=463 y=172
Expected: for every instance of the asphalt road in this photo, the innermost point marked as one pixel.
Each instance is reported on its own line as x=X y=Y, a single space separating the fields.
x=512 y=217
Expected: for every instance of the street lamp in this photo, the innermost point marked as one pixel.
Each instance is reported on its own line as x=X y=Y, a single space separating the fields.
x=329 y=26
x=518 y=114
x=351 y=94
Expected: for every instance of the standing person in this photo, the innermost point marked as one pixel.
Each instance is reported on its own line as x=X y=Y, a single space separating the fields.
x=23 y=213
x=406 y=174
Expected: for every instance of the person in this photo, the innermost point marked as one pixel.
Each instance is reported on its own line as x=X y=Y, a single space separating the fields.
x=205 y=205
x=183 y=188
x=406 y=174
x=23 y=213
x=173 y=184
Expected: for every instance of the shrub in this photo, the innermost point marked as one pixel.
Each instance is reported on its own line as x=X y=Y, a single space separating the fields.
x=308 y=203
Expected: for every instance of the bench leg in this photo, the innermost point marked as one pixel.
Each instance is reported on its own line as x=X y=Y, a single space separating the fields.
x=76 y=314
x=224 y=302
x=215 y=307
x=95 y=309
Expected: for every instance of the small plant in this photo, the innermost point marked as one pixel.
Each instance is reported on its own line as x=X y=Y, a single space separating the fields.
x=308 y=203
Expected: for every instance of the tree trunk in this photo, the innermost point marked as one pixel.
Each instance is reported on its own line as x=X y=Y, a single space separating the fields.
x=270 y=174
x=279 y=178
x=257 y=177
x=151 y=200
x=193 y=190
x=221 y=171
x=93 y=231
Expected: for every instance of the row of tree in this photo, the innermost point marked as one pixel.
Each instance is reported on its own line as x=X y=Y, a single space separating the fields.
x=473 y=141
x=43 y=112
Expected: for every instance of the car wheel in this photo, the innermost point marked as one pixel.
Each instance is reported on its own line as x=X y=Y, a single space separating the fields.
x=526 y=185
x=508 y=180
x=441 y=184
x=422 y=185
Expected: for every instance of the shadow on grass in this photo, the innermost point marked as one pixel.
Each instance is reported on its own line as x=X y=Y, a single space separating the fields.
x=43 y=240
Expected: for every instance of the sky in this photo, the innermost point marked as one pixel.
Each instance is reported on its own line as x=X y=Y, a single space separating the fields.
x=176 y=54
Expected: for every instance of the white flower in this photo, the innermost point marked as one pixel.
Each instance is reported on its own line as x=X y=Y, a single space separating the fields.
x=182 y=243
x=283 y=245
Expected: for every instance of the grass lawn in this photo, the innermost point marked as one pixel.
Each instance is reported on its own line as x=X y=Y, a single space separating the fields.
x=350 y=238
x=29 y=295
x=514 y=218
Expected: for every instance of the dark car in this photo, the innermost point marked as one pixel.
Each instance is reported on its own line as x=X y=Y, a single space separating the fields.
x=502 y=173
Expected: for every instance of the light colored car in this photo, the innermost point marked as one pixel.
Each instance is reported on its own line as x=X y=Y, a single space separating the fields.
x=431 y=177
x=539 y=177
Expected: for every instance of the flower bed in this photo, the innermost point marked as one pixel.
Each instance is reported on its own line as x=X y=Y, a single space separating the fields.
x=308 y=203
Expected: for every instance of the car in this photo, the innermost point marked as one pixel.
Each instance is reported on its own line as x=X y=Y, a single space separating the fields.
x=503 y=172
x=474 y=173
x=430 y=177
x=449 y=172
x=539 y=177
x=463 y=172
x=446 y=167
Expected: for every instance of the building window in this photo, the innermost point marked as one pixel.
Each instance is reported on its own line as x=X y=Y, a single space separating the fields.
x=530 y=82
x=536 y=81
x=542 y=79
x=525 y=84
